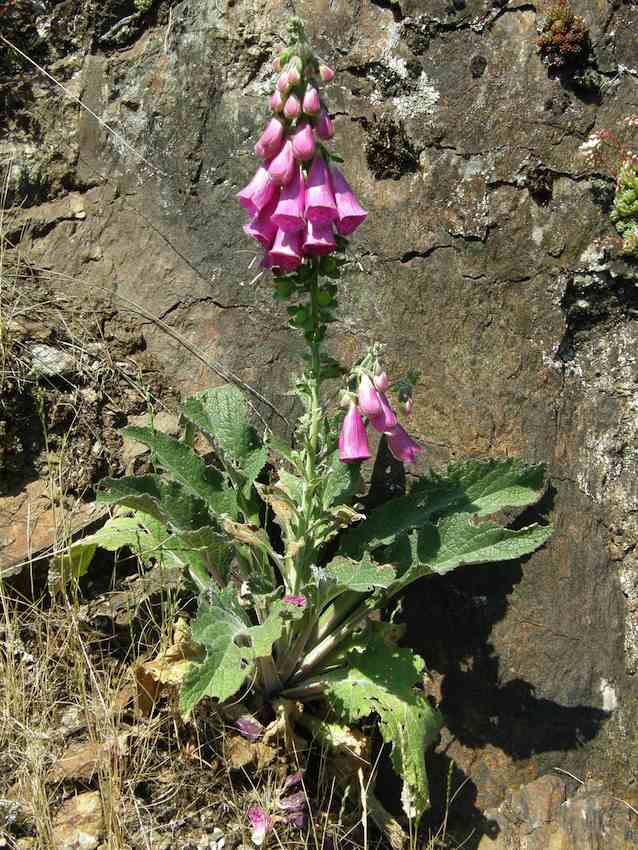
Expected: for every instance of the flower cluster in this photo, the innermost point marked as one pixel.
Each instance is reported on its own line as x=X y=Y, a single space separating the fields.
x=372 y=403
x=292 y=808
x=298 y=197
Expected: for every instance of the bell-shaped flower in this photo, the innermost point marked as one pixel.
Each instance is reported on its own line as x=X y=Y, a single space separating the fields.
x=292 y=107
x=261 y=824
x=385 y=421
x=262 y=227
x=286 y=250
x=324 y=128
x=350 y=213
x=311 y=103
x=303 y=142
x=259 y=192
x=289 y=213
x=320 y=202
x=320 y=239
x=353 y=440
x=402 y=446
x=368 y=397
x=326 y=73
x=282 y=168
x=276 y=101
x=271 y=140
x=407 y=406
x=381 y=381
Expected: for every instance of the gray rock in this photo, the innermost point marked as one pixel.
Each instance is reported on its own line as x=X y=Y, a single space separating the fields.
x=51 y=362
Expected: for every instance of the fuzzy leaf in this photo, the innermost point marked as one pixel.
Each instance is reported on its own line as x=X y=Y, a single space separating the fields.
x=456 y=541
x=188 y=468
x=380 y=678
x=362 y=576
x=232 y=646
x=167 y=501
x=222 y=414
x=473 y=488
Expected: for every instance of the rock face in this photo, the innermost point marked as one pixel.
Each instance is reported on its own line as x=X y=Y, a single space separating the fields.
x=488 y=262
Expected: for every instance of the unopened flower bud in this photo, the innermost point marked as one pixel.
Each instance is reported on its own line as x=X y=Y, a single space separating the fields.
x=283 y=83
x=325 y=130
x=381 y=381
x=407 y=406
x=292 y=107
x=294 y=77
x=277 y=101
x=303 y=142
x=276 y=64
x=311 y=103
x=326 y=73
x=271 y=140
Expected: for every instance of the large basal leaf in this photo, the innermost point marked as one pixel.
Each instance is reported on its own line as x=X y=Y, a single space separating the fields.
x=456 y=541
x=474 y=488
x=232 y=646
x=379 y=677
x=222 y=414
x=168 y=501
x=362 y=576
x=188 y=468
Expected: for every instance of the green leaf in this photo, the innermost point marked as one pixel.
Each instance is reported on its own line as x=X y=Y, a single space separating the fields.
x=362 y=576
x=341 y=482
x=222 y=414
x=380 y=678
x=456 y=541
x=188 y=468
x=232 y=646
x=280 y=447
x=167 y=501
x=473 y=488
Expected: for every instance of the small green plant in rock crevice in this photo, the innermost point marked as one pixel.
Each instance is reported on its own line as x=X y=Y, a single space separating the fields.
x=564 y=36
x=611 y=152
x=290 y=570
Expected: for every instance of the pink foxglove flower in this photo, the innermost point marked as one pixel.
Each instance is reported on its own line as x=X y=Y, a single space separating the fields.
x=368 y=397
x=292 y=107
x=402 y=446
x=283 y=166
x=320 y=239
x=320 y=202
x=261 y=824
x=258 y=193
x=325 y=130
x=271 y=140
x=311 y=103
x=289 y=214
x=298 y=601
x=351 y=214
x=326 y=73
x=249 y=727
x=292 y=779
x=353 y=440
x=407 y=406
x=387 y=419
x=286 y=250
x=303 y=142
x=381 y=381
x=261 y=227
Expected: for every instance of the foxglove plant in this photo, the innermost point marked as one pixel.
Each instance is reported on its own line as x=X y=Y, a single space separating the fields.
x=284 y=619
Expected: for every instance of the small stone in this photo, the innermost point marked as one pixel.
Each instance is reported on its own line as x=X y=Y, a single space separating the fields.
x=49 y=361
x=79 y=825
